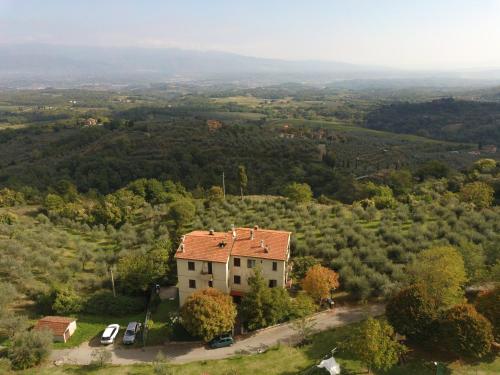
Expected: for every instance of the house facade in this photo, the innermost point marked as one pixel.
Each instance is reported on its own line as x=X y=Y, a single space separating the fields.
x=225 y=260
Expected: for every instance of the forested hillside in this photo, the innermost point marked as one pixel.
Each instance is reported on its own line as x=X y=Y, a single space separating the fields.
x=447 y=119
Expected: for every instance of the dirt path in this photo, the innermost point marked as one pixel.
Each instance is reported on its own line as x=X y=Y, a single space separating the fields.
x=189 y=352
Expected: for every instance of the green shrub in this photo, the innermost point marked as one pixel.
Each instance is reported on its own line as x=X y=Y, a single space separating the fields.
x=465 y=332
x=104 y=303
x=67 y=301
x=29 y=348
x=488 y=304
x=302 y=305
x=412 y=312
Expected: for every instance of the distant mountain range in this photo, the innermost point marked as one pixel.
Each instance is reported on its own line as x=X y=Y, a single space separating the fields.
x=38 y=64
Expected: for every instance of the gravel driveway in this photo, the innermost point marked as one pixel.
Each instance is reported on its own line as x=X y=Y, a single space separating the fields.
x=189 y=352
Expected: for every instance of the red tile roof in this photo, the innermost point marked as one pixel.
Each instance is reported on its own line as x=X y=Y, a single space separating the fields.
x=266 y=244
x=57 y=324
x=201 y=245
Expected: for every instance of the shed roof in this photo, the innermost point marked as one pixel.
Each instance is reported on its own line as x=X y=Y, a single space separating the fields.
x=57 y=324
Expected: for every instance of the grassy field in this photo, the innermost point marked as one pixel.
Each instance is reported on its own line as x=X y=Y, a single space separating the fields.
x=90 y=327
x=285 y=360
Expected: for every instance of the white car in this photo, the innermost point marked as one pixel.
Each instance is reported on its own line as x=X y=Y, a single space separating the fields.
x=109 y=334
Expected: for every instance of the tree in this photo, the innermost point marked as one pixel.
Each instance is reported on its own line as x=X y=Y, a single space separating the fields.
x=479 y=193
x=302 y=305
x=215 y=194
x=9 y=293
x=412 y=312
x=304 y=328
x=302 y=264
x=297 y=192
x=263 y=306
x=400 y=181
x=319 y=282
x=441 y=271
x=67 y=301
x=180 y=214
x=253 y=303
x=208 y=313
x=84 y=254
x=465 y=332
x=243 y=179
x=53 y=203
x=10 y=198
x=11 y=323
x=374 y=344
x=29 y=348
x=161 y=365
x=137 y=271
x=100 y=357
x=381 y=194
x=488 y=304
x=277 y=307
x=433 y=168
x=485 y=165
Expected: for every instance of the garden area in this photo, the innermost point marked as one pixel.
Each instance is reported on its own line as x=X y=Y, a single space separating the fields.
x=285 y=360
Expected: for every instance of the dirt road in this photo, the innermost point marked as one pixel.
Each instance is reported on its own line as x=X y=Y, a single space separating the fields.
x=189 y=352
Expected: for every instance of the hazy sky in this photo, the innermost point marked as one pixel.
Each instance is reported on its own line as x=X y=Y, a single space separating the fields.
x=398 y=33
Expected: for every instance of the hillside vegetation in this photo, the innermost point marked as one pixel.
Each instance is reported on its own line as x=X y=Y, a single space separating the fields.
x=446 y=119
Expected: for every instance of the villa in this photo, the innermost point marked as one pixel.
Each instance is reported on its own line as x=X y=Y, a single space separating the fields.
x=225 y=260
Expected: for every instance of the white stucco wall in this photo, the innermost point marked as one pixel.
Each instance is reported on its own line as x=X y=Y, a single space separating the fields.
x=266 y=265
x=219 y=277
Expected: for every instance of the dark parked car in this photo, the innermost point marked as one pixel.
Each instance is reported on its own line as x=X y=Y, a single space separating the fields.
x=221 y=341
x=130 y=335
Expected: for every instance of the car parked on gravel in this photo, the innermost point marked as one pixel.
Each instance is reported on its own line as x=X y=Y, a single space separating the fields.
x=221 y=342
x=110 y=333
x=131 y=332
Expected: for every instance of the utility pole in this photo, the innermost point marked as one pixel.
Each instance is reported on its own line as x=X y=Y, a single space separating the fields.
x=112 y=281
x=223 y=186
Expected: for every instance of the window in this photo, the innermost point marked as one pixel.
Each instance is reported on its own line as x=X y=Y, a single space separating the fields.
x=210 y=284
x=191 y=266
x=236 y=262
x=192 y=284
x=237 y=279
x=209 y=268
x=273 y=283
x=275 y=266
x=250 y=263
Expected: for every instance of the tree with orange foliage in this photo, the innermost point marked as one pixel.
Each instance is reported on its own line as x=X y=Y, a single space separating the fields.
x=319 y=281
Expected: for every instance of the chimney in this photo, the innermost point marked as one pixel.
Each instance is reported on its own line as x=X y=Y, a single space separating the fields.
x=251 y=234
x=181 y=248
x=183 y=238
x=262 y=243
x=234 y=231
x=256 y=227
x=211 y=232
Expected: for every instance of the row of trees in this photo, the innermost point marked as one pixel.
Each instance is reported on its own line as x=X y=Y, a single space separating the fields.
x=432 y=309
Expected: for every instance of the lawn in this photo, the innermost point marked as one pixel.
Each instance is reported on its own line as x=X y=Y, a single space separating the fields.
x=284 y=360
x=90 y=327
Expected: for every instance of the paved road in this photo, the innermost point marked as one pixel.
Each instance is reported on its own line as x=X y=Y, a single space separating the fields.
x=189 y=352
